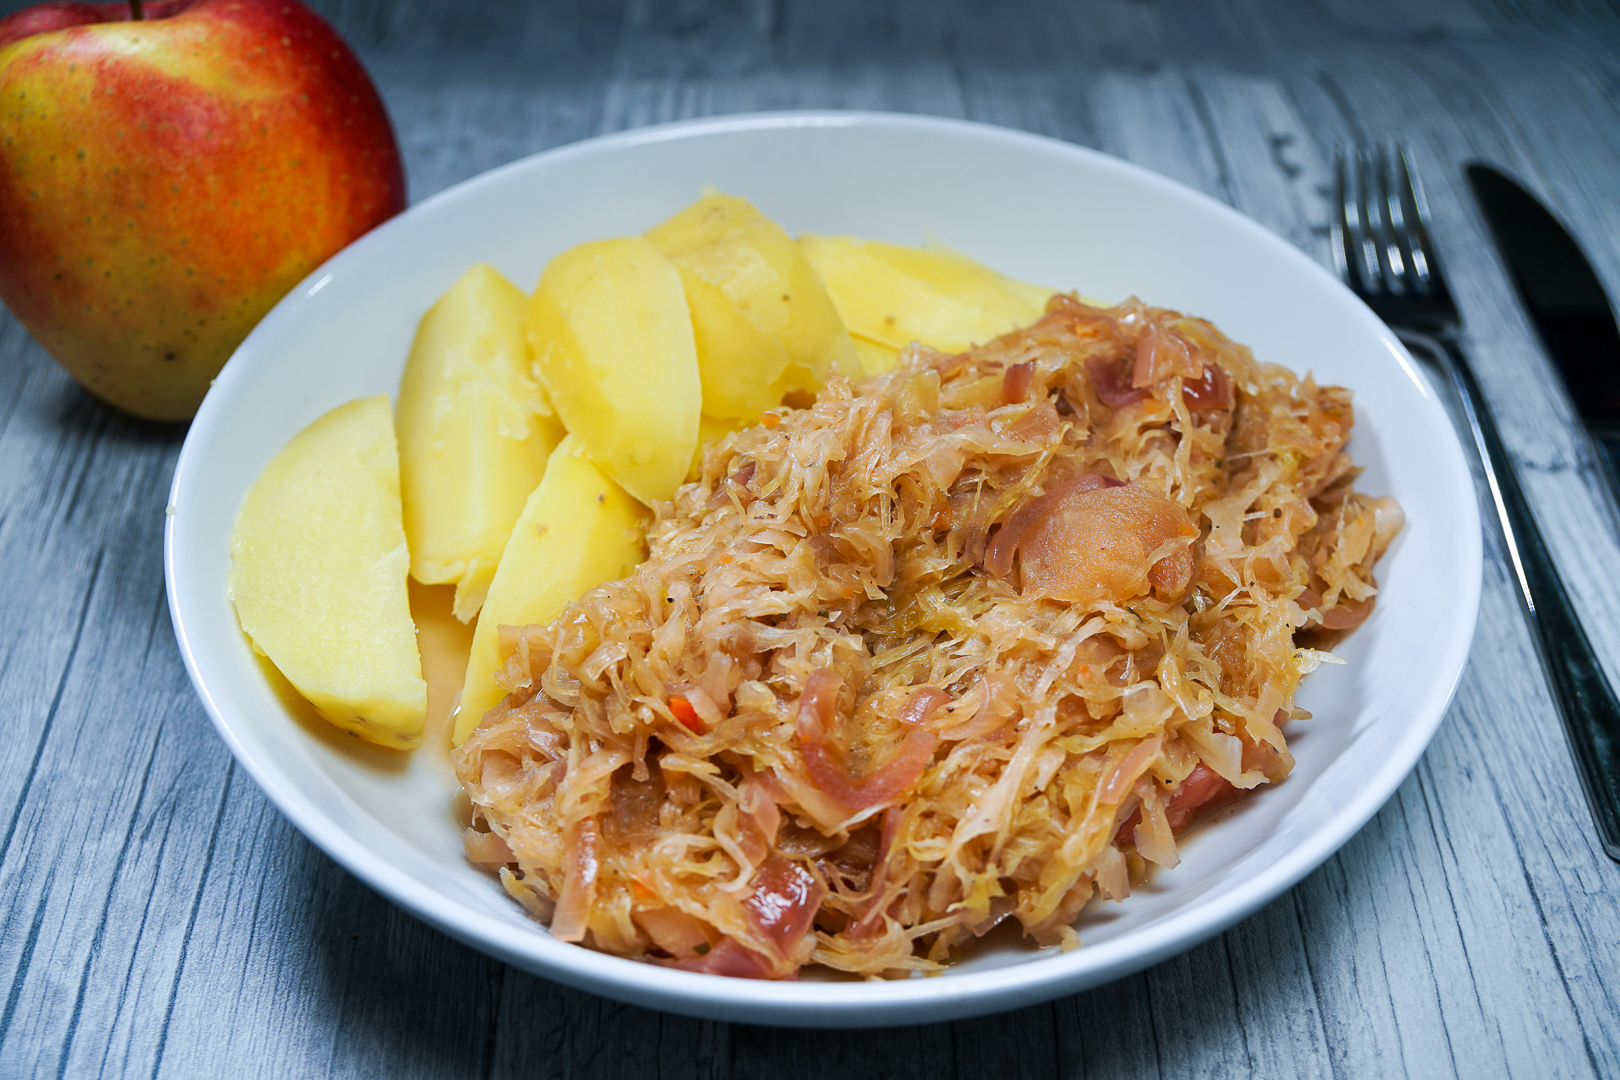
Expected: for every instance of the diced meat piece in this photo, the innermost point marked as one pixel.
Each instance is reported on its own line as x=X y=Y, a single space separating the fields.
x=1203 y=790
x=1088 y=543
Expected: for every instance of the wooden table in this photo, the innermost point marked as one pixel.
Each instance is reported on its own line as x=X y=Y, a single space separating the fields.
x=161 y=918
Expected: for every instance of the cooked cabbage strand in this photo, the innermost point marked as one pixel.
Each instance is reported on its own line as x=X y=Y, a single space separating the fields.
x=863 y=703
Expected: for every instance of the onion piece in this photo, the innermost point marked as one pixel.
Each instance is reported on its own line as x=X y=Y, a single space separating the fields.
x=1016 y=380
x=781 y=910
x=818 y=703
x=1132 y=765
x=1203 y=790
x=757 y=800
x=999 y=559
x=899 y=773
x=922 y=704
x=1110 y=384
x=1000 y=908
x=873 y=915
x=1388 y=520
x=1212 y=391
x=817 y=706
x=1154 y=838
x=1161 y=353
x=734 y=960
x=1347 y=614
x=998 y=706
x=486 y=848
x=578 y=891
x=1092 y=539
x=679 y=933
x=784 y=903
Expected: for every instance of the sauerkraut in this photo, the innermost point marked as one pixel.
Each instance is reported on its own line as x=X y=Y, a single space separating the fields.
x=966 y=642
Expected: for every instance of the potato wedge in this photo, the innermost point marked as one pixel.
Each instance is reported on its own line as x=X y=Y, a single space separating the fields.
x=318 y=568
x=764 y=324
x=965 y=279
x=742 y=367
x=612 y=341
x=475 y=430
x=710 y=430
x=890 y=296
x=874 y=358
x=577 y=530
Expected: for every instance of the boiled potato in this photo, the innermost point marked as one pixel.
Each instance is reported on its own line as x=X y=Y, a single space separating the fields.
x=764 y=324
x=475 y=430
x=578 y=529
x=742 y=367
x=890 y=296
x=612 y=341
x=874 y=357
x=965 y=279
x=710 y=430
x=318 y=568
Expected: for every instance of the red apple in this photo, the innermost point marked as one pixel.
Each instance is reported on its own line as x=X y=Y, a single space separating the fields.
x=165 y=180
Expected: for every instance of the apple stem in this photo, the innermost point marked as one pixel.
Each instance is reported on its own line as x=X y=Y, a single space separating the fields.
x=135 y=10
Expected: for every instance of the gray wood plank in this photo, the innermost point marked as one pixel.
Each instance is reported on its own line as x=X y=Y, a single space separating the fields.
x=76 y=832
x=1398 y=1021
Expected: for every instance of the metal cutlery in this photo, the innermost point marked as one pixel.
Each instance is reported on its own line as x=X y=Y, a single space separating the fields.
x=1384 y=254
x=1566 y=302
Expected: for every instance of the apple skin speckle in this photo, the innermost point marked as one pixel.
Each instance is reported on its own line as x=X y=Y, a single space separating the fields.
x=237 y=173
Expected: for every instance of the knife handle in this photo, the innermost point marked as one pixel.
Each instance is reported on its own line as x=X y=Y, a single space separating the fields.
x=1586 y=702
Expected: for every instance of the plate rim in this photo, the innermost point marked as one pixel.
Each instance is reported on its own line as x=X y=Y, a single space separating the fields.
x=839 y=1004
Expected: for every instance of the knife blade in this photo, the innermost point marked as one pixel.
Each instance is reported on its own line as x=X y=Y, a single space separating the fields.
x=1571 y=312
x=1565 y=301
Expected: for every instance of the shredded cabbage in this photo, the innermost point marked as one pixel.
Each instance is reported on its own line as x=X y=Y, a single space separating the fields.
x=965 y=642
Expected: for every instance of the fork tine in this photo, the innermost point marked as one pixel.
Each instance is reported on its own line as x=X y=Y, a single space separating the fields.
x=1375 y=239
x=1363 y=253
x=1337 y=233
x=1388 y=222
x=1425 y=273
x=1400 y=220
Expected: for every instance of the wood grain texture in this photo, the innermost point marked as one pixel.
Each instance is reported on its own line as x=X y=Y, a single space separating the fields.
x=159 y=917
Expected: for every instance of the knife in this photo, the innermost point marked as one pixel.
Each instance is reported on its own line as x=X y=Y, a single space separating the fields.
x=1566 y=303
x=1571 y=313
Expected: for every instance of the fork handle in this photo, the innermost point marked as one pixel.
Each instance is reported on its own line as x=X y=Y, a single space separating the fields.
x=1586 y=702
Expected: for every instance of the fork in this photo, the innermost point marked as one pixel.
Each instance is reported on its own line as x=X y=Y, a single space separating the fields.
x=1383 y=252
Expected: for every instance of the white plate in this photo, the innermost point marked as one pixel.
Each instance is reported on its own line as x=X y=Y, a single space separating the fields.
x=1032 y=207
